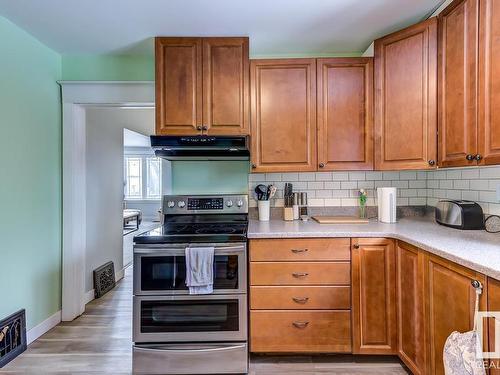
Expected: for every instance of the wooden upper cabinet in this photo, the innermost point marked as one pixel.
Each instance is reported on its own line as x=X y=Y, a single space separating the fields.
x=410 y=263
x=345 y=113
x=202 y=86
x=283 y=106
x=374 y=327
x=406 y=98
x=450 y=300
x=458 y=38
x=489 y=82
x=178 y=85
x=225 y=86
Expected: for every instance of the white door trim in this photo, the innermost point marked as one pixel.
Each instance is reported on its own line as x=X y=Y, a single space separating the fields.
x=76 y=95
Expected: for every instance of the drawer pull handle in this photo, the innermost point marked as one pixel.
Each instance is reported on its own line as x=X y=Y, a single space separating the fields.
x=300 y=325
x=301 y=300
x=299 y=274
x=297 y=251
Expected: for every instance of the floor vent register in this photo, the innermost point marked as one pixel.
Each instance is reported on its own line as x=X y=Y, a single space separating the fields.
x=104 y=279
x=12 y=337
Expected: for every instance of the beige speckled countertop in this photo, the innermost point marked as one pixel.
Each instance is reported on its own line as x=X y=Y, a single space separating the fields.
x=477 y=250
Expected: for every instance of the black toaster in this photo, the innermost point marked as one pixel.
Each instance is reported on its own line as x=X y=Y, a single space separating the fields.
x=460 y=214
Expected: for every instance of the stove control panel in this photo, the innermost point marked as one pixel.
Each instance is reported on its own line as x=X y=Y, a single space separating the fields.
x=205 y=204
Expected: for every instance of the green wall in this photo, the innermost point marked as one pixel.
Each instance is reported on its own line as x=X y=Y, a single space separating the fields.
x=30 y=176
x=108 y=68
x=210 y=177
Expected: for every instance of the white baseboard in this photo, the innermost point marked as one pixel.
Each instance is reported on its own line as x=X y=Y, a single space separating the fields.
x=90 y=295
x=43 y=327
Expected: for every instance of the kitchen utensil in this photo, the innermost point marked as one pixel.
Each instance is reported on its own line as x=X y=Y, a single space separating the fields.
x=340 y=220
x=386 y=198
x=271 y=189
x=261 y=191
x=295 y=206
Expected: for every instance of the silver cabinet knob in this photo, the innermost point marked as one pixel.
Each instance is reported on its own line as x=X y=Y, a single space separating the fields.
x=181 y=204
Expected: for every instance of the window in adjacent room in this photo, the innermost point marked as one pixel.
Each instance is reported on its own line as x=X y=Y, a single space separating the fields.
x=140 y=185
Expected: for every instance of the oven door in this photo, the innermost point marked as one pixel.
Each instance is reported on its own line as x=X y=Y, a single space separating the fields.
x=161 y=269
x=195 y=318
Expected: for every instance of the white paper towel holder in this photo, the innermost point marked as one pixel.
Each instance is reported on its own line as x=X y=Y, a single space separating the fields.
x=386 y=201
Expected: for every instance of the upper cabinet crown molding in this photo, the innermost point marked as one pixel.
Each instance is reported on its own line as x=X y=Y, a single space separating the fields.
x=283 y=106
x=202 y=86
x=406 y=98
x=345 y=113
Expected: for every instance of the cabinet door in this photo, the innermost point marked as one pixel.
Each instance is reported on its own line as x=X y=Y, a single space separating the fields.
x=493 y=306
x=450 y=300
x=373 y=296
x=406 y=98
x=489 y=83
x=410 y=302
x=345 y=115
x=225 y=86
x=283 y=104
x=458 y=36
x=178 y=86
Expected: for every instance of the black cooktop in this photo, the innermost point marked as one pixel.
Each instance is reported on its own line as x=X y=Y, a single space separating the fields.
x=197 y=228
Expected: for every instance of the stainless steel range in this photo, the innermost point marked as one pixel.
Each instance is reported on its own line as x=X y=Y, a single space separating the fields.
x=178 y=333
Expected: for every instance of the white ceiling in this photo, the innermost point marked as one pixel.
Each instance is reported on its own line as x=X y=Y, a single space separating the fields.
x=275 y=27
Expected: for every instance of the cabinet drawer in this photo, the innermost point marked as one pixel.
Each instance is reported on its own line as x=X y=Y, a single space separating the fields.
x=300 y=297
x=303 y=273
x=300 y=249
x=300 y=331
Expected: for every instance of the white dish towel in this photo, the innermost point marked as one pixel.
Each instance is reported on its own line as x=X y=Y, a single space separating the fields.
x=200 y=270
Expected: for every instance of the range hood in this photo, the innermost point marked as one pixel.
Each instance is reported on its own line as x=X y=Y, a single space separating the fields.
x=200 y=147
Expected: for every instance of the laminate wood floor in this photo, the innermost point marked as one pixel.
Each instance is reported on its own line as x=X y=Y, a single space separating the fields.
x=100 y=342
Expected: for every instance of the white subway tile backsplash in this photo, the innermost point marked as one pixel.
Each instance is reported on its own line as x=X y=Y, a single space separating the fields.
x=374 y=175
x=348 y=185
x=357 y=176
x=419 y=184
x=332 y=184
x=390 y=175
x=414 y=187
x=340 y=176
x=324 y=176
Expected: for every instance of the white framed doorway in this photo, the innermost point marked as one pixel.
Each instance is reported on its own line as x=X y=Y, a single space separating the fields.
x=76 y=95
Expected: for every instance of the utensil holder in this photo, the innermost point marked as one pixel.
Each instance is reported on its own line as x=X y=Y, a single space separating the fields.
x=264 y=210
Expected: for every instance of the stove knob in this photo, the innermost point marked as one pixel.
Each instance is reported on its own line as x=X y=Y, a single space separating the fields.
x=181 y=204
x=171 y=204
x=229 y=203
x=239 y=203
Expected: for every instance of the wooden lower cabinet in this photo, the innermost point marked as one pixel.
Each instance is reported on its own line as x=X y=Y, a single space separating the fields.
x=410 y=262
x=449 y=298
x=493 y=306
x=314 y=331
x=374 y=296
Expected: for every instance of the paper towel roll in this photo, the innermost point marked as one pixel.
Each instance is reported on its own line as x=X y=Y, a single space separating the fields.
x=387 y=198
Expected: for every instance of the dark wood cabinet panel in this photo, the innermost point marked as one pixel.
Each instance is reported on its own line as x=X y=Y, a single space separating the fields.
x=406 y=98
x=345 y=113
x=225 y=86
x=374 y=296
x=410 y=302
x=457 y=83
x=178 y=85
x=450 y=300
x=489 y=82
x=283 y=105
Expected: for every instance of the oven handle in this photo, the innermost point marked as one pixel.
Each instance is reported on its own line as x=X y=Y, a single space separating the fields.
x=190 y=350
x=180 y=251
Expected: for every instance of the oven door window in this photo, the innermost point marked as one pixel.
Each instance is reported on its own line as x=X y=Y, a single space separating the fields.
x=169 y=272
x=189 y=316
